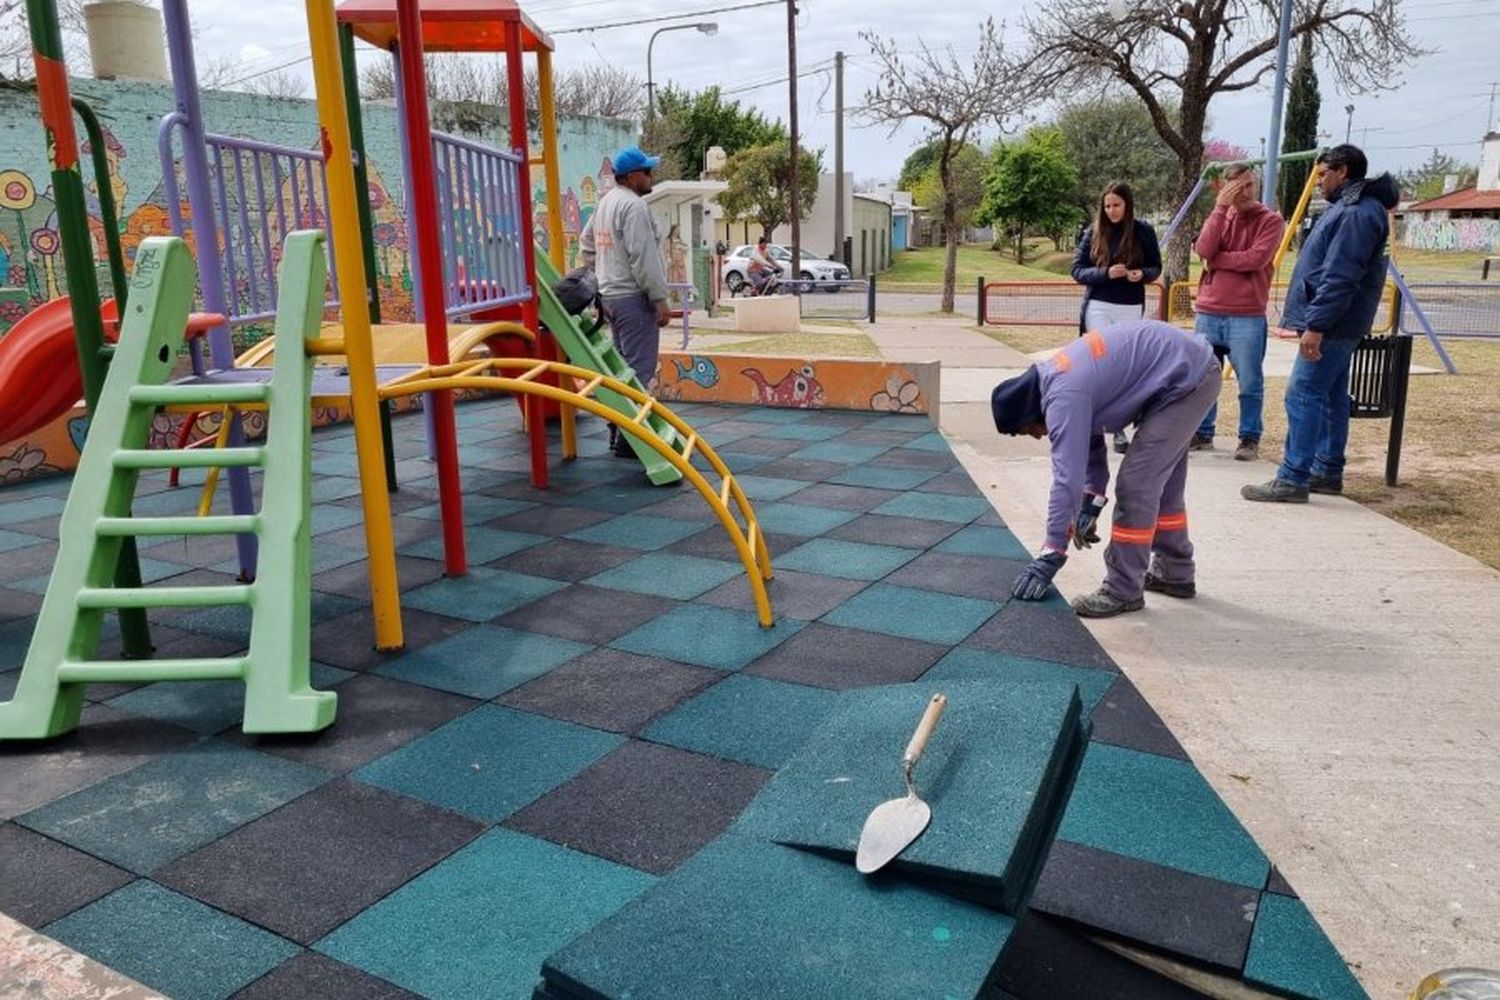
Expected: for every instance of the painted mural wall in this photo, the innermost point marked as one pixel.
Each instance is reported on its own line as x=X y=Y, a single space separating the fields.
x=31 y=269
x=1452 y=234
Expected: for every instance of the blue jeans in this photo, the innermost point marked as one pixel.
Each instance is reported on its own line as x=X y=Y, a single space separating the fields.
x=1317 y=414
x=1243 y=338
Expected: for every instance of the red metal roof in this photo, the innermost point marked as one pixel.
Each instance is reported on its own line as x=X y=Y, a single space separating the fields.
x=447 y=25
x=1468 y=199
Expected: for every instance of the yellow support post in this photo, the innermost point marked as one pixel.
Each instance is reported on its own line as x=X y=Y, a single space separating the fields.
x=556 y=240
x=1295 y=220
x=343 y=211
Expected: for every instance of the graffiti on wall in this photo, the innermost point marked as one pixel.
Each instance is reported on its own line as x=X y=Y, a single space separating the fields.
x=1453 y=234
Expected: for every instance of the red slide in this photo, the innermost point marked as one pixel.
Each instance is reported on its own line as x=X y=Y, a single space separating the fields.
x=39 y=377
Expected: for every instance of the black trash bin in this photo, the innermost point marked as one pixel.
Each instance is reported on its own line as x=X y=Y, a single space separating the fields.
x=1378 y=378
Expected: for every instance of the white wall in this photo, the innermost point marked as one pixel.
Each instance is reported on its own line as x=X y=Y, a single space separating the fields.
x=1489 y=163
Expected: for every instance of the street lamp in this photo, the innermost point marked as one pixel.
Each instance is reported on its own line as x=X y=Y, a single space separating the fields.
x=709 y=28
x=1349 y=124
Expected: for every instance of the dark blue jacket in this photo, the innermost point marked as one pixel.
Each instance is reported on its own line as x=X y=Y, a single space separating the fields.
x=1097 y=281
x=1340 y=273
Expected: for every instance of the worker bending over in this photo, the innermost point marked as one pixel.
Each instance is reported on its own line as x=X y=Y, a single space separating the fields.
x=1144 y=372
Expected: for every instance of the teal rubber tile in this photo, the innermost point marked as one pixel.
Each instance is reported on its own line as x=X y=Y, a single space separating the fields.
x=326 y=489
x=1289 y=953
x=1159 y=809
x=748 y=719
x=979 y=540
x=490 y=762
x=152 y=571
x=144 y=818
x=667 y=574
x=849 y=560
x=483 y=661
x=774 y=415
x=913 y=614
x=883 y=478
x=480 y=594
x=935 y=507
x=638 y=531
x=903 y=422
x=838 y=451
x=810 y=431
x=798 y=519
x=172 y=944
x=481 y=544
x=15 y=639
x=328 y=517
x=762 y=489
x=965 y=664
x=19 y=540
x=489 y=915
x=708 y=637
x=746 y=918
x=932 y=441
x=205 y=706
x=477 y=507
x=739 y=461
x=17 y=509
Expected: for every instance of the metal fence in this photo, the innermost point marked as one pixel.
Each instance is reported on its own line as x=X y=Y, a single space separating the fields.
x=1455 y=309
x=1183 y=298
x=851 y=299
x=1043 y=303
x=479 y=213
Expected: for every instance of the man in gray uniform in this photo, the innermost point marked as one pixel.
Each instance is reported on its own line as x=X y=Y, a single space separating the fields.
x=622 y=246
x=1140 y=371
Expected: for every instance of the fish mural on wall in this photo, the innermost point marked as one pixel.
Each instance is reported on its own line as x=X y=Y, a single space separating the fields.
x=700 y=370
x=797 y=388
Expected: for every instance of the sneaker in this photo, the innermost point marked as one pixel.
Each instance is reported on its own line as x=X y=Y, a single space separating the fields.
x=1248 y=451
x=1102 y=604
x=619 y=444
x=1201 y=442
x=1122 y=443
x=1325 y=486
x=1275 y=491
x=1171 y=588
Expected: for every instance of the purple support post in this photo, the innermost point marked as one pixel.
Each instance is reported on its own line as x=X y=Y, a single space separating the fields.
x=206 y=237
x=1171 y=230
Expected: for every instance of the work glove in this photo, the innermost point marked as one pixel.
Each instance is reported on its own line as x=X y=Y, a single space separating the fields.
x=1034 y=580
x=1086 y=527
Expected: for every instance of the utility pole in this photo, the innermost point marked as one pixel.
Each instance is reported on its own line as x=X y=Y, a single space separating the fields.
x=838 y=154
x=796 y=205
x=1278 y=94
x=1489 y=119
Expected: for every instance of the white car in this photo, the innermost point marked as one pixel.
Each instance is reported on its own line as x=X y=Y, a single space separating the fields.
x=826 y=273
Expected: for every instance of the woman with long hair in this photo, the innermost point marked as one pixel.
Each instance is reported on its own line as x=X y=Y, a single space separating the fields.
x=1116 y=258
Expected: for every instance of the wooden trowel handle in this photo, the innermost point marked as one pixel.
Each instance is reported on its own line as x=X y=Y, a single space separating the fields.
x=924 y=729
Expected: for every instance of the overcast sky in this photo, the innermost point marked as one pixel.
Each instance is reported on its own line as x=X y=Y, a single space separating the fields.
x=1442 y=99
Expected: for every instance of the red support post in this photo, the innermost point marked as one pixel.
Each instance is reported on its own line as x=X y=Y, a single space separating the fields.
x=546 y=347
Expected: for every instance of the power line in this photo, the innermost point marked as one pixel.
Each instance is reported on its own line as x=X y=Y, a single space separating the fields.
x=265 y=72
x=666 y=17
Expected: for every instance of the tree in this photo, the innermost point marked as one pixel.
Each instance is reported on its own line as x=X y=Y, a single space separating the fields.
x=686 y=124
x=1029 y=188
x=594 y=90
x=922 y=159
x=967 y=174
x=1428 y=180
x=278 y=83
x=1191 y=51
x=760 y=188
x=951 y=100
x=1112 y=140
x=15 y=39
x=1224 y=151
x=1303 y=103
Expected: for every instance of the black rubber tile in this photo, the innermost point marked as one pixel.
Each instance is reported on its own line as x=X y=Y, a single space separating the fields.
x=860 y=498
x=549 y=520
x=408 y=497
x=566 y=559
x=310 y=976
x=883 y=529
x=309 y=866
x=353 y=579
x=872 y=435
x=913 y=458
x=1050 y=959
x=775 y=447
x=1041 y=632
x=827 y=656
x=1125 y=719
x=684 y=505
x=955 y=483
x=990 y=519
x=404 y=529
x=587 y=614
x=950 y=573
x=1276 y=883
x=805 y=596
x=1164 y=908
x=195 y=550
x=647 y=806
x=42 y=527
x=611 y=689
x=348 y=640
x=107 y=742
x=376 y=715
x=18 y=604
x=21 y=564
x=809 y=470
x=42 y=879
x=716 y=544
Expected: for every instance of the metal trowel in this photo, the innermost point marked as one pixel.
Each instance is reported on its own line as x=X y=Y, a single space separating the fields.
x=893 y=825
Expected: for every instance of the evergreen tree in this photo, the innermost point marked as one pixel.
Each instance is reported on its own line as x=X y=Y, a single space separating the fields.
x=1302 y=106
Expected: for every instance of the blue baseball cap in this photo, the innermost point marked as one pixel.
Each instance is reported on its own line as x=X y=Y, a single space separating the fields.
x=630 y=159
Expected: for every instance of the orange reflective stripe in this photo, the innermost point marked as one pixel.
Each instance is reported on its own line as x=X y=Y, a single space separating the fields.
x=1062 y=361
x=1172 y=522
x=1132 y=536
x=1095 y=340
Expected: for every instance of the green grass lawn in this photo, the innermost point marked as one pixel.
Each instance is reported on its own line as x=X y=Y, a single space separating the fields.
x=924 y=266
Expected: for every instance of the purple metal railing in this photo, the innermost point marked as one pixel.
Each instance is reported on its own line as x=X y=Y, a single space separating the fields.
x=479 y=202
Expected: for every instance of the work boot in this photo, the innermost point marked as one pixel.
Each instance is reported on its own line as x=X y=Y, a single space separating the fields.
x=1122 y=443
x=1325 y=486
x=1248 y=451
x=619 y=444
x=1102 y=604
x=1201 y=442
x=1171 y=588
x=1275 y=491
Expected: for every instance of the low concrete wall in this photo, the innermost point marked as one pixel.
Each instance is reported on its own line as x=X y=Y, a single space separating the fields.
x=772 y=314
x=808 y=383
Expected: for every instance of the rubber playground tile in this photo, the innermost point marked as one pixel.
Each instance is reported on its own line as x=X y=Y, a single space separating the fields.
x=310 y=975
x=935 y=507
x=170 y=943
x=908 y=458
x=855 y=498
x=955 y=483
x=353 y=579
x=799 y=519
x=744 y=918
x=15 y=640
x=565 y=559
x=881 y=477
x=376 y=715
x=481 y=594
x=753 y=720
x=490 y=915
x=205 y=707
x=348 y=641
x=405 y=530
x=1289 y=953
x=913 y=614
x=764 y=489
x=1123 y=718
x=1160 y=810
x=185 y=800
x=18 y=604
x=707 y=637
x=1032 y=629
x=327 y=489
x=1275 y=882
x=840 y=451
x=490 y=762
x=8 y=682
x=826 y=656
x=777 y=415
x=908 y=532
x=107 y=742
x=804 y=596
x=477 y=507
x=483 y=661
x=762 y=446
x=587 y=614
x=807 y=431
x=549 y=519
x=620 y=499
x=42 y=880
x=12 y=540
x=969 y=576
x=307 y=868
x=1049 y=958
x=611 y=689
x=481 y=545
x=684 y=505
x=1198 y=918
x=718 y=545
x=18 y=564
x=966 y=664
x=647 y=806
x=849 y=560
x=667 y=574
x=18 y=509
x=328 y=517
x=233 y=622
x=809 y=470
x=637 y=531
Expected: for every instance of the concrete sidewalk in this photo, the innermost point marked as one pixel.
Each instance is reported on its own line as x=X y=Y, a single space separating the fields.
x=1335 y=680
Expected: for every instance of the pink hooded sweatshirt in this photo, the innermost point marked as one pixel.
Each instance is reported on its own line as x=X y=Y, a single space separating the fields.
x=1237 y=248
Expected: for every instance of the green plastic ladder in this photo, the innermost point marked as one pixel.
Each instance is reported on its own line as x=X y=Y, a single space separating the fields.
x=275 y=668
x=599 y=355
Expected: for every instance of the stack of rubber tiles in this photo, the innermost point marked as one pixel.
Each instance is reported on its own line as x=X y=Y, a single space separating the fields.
x=775 y=909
